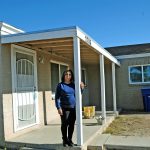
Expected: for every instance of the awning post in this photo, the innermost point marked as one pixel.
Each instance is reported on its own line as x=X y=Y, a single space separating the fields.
x=77 y=71
x=114 y=89
x=102 y=82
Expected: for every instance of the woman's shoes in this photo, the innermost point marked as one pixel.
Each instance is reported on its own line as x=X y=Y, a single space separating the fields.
x=68 y=143
x=65 y=143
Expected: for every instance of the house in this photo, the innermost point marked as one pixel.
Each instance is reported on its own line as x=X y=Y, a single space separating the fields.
x=133 y=75
x=31 y=64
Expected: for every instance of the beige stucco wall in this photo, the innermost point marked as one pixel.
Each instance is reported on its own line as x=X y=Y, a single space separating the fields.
x=108 y=86
x=1 y=103
x=6 y=89
x=1 y=121
x=128 y=95
x=43 y=73
x=94 y=86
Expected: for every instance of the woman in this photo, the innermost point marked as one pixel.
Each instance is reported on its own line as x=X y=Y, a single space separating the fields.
x=65 y=103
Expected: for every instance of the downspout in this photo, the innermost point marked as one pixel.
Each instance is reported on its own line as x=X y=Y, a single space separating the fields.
x=1 y=91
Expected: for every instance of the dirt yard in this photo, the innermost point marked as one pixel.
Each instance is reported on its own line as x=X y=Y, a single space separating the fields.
x=130 y=125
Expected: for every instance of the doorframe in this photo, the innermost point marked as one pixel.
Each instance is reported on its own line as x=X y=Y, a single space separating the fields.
x=14 y=49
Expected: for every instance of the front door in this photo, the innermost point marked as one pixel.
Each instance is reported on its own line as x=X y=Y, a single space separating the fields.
x=25 y=99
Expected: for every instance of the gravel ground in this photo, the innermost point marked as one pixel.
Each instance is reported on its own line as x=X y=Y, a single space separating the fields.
x=130 y=125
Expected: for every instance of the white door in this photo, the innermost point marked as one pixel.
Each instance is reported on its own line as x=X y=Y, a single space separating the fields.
x=25 y=99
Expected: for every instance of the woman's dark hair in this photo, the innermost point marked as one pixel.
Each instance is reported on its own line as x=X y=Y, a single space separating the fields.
x=64 y=73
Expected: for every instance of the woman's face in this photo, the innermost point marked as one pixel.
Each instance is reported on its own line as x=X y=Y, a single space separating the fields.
x=67 y=76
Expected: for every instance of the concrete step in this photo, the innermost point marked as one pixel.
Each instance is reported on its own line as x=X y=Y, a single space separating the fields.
x=98 y=142
x=127 y=143
x=109 y=142
x=29 y=146
x=56 y=148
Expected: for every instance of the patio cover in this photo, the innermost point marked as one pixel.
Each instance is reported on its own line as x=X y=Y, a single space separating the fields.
x=71 y=43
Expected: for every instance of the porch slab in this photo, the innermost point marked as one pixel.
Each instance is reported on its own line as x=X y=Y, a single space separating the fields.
x=49 y=136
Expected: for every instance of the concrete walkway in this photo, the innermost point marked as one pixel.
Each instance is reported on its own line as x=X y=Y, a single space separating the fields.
x=110 y=142
x=49 y=137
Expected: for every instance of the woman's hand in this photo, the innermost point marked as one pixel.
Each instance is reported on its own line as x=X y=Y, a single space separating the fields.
x=82 y=85
x=60 y=112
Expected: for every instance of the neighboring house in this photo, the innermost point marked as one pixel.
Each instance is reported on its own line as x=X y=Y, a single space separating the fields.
x=133 y=75
x=31 y=65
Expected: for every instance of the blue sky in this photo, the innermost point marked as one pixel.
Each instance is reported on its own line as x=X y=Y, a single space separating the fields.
x=109 y=22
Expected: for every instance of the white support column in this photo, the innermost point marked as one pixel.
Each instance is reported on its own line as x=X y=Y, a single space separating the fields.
x=77 y=71
x=103 y=99
x=114 y=88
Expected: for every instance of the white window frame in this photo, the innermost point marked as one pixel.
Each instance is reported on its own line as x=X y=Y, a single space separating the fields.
x=58 y=63
x=142 y=74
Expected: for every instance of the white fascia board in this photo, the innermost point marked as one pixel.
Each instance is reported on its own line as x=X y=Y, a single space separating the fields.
x=133 y=56
x=16 y=30
x=3 y=33
x=8 y=29
x=96 y=46
x=40 y=35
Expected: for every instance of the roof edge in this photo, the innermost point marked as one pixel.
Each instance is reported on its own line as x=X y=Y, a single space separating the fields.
x=42 y=31
x=7 y=29
x=140 y=44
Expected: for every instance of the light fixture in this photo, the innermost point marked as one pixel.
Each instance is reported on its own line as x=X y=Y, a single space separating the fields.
x=41 y=59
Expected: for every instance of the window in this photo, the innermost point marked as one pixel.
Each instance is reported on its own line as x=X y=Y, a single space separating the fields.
x=139 y=74
x=146 y=73
x=57 y=70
